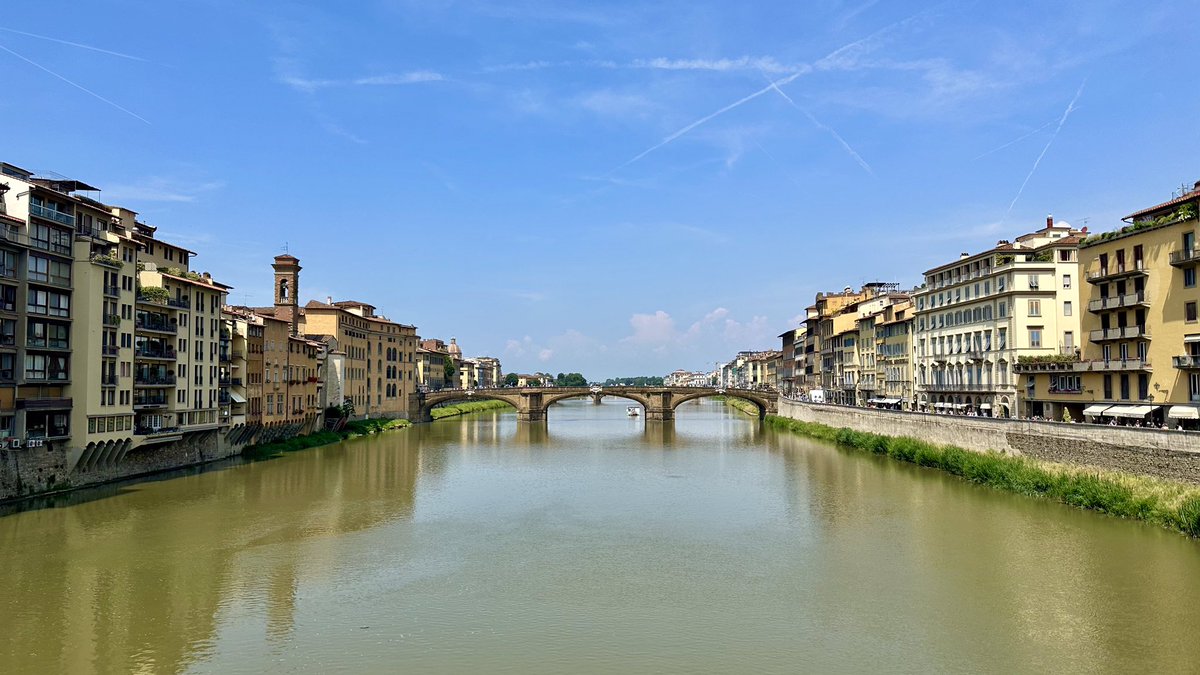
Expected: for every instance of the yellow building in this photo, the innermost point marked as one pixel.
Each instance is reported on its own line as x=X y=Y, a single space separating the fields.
x=1140 y=362
x=893 y=353
x=977 y=315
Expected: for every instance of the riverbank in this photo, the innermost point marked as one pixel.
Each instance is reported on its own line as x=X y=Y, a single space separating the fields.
x=351 y=430
x=739 y=404
x=468 y=407
x=1175 y=506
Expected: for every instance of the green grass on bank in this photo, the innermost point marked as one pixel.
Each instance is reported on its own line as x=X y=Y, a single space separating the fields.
x=351 y=430
x=468 y=407
x=741 y=404
x=1172 y=505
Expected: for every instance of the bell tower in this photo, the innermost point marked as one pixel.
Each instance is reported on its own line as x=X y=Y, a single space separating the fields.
x=287 y=289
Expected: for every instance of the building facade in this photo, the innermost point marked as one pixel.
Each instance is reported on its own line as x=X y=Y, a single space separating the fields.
x=977 y=315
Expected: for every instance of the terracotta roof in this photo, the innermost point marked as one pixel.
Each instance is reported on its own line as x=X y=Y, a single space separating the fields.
x=1178 y=200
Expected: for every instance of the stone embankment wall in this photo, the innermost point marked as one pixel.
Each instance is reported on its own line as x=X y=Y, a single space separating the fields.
x=1173 y=455
x=28 y=472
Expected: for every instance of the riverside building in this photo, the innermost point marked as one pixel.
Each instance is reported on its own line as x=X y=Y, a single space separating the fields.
x=977 y=315
x=1140 y=360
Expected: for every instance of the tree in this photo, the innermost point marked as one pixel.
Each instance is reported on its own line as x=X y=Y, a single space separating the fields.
x=571 y=380
x=510 y=379
x=449 y=368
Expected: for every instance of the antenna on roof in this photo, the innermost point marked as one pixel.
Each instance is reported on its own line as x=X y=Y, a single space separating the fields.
x=285 y=247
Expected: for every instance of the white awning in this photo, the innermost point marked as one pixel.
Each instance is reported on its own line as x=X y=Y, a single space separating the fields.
x=960 y=406
x=1096 y=410
x=1191 y=338
x=939 y=405
x=1130 y=410
x=237 y=398
x=873 y=400
x=1184 y=412
x=889 y=401
x=985 y=406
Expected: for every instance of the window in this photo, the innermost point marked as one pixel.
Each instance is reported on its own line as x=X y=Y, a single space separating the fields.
x=1033 y=282
x=1189 y=277
x=50 y=271
x=46 y=302
x=1066 y=281
x=1108 y=388
x=1124 y=387
x=1035 y=308
x=1068 y=310
x=1189 y=312
x=8 y=298
x=43 y=334
x=1035 y=337
x=45 y=367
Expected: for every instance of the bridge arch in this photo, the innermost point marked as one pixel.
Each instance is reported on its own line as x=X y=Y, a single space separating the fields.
x=547 y=401
x=431 y=400
x=763 y=404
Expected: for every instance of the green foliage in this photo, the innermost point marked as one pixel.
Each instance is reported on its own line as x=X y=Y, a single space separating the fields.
x=333 y=412
x=1004 y=259
x=467 y=407
x=1049 y=358
x=1042 y=256
x=1171 y=505
x=155 y=293
x=571 y=380
x=347 y=408
x=639 y=381
x=110 y=260
x=1183 y=212
x=511 y=379
x=449 y=368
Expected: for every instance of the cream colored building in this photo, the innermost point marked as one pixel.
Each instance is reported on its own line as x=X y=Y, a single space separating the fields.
x=1140 y=359
x=893 y=356
x=977 y=315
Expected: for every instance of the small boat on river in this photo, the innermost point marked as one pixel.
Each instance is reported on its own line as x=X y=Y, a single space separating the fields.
x=632 y=411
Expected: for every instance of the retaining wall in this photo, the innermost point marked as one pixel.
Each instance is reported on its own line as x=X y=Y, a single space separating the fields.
x=1173 y=455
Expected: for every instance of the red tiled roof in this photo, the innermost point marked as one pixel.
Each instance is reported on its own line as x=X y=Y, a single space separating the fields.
x=1178 y=200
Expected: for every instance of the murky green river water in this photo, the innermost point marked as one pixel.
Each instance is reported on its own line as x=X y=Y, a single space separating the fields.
x=595 y=544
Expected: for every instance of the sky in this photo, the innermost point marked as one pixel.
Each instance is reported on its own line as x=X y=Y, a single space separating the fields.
x=612 y=188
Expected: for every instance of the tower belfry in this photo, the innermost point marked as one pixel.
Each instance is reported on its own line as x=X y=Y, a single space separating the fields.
x=287 y=289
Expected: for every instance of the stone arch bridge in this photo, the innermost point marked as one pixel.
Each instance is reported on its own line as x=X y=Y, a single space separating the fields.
x=532 y=402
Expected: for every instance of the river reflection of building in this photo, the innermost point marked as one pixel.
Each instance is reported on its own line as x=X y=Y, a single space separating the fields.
x=136 y=581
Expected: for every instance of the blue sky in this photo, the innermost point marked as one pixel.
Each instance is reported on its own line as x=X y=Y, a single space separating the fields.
x=610 y=188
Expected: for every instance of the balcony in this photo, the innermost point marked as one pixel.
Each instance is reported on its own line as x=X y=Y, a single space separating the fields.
x=1118 y=302
x=224 y=357
x=1186 y=362
x=962 y=387
x=112 y=291
x=110 y=350
x=147 y=402
x=1118 y=365
x=181 y=303
x=110 y=261
x=1048 y=365
x=223 y=382
x=13 y=235
x=154 y=353
x=1115 y=271
x=108 y=380
x=223 y=399
x=235 y=381
x=111 y=320
x=1125 y=333
x=51 y=214
x=156 y=431
x=975 y=354
x=153 y=380
x=153 y=326
x=1187 y=256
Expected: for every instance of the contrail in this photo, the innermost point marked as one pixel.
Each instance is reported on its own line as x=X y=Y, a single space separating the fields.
x=1061 y=121
x=826 y=63
x=77 y=86
x=74 y=44
x=702 y=120
x=858 y=158
x=1015 y=140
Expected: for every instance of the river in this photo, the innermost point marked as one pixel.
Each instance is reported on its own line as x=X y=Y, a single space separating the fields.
x=597 y=543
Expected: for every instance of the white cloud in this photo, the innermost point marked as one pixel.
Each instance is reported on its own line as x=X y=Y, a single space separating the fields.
x=609 y=103
x=655 y=329
x=309 y=85
x=160 y=189
x=545 y=354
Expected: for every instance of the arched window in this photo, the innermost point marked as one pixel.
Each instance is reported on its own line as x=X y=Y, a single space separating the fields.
x=283 y=290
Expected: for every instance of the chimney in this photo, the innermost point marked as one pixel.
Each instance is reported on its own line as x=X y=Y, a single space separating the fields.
x=1083 y=229
x=207 y=277
x=329 y=299
x=1196 y=187
x=964 y=255
x=1050 y=221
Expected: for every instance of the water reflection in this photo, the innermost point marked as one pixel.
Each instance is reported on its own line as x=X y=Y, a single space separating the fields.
x=593 y=543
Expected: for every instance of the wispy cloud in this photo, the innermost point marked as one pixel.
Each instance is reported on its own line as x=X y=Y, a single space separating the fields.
x=764 y=64
x=76 y=85
x=1061 y=121
x=161 y=189
x=309 y=85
